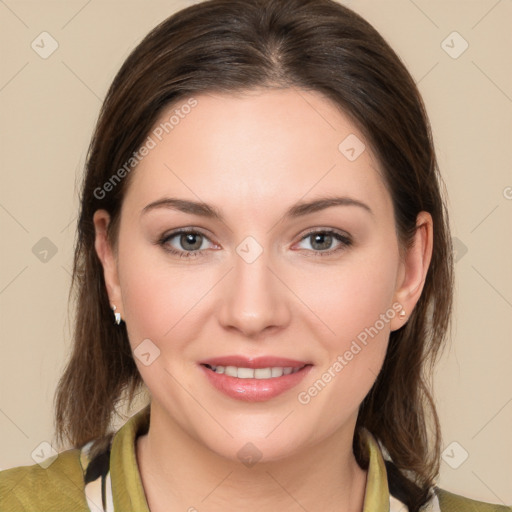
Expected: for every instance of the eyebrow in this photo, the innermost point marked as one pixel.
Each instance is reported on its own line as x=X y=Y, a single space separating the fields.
x=299 y=209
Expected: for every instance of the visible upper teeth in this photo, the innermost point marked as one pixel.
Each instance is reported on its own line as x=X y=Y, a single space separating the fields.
x=254 y=373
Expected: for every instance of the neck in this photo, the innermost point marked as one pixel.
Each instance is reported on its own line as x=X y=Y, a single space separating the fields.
x=323 y=477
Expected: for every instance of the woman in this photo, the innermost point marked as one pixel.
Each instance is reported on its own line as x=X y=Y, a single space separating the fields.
x=263 y=245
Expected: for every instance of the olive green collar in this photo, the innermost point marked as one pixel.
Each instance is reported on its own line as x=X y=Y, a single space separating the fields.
x=128 y=492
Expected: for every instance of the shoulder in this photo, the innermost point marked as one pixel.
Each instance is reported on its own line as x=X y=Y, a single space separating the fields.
x=59 y=486
x=449 y=502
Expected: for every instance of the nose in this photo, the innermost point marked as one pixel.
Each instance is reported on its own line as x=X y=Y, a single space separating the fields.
x=253 y=298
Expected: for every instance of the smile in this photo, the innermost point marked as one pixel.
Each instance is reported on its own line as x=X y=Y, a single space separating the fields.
x=253 y=379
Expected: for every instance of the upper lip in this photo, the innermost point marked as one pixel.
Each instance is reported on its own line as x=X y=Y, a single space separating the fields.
x=254 y=362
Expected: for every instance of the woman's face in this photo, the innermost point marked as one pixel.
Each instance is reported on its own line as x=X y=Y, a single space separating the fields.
x=263 y=277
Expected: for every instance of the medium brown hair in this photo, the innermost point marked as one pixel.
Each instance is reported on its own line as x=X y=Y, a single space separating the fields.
x=230 y=46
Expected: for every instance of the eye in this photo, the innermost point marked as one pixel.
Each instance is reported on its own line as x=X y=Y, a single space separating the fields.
x=321 y=241
x=185 y=243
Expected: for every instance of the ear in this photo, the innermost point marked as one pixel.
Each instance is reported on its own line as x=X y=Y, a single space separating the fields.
x=413 y=269
x=108 y=258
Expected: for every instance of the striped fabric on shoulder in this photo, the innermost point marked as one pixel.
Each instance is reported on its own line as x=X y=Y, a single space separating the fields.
x=98 y=486
x=395 y=505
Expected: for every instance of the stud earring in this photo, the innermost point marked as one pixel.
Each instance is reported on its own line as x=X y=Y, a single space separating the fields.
x=402 y=314
x=116 y=315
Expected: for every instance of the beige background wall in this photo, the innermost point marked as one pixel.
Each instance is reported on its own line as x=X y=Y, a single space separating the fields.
x=48 y=109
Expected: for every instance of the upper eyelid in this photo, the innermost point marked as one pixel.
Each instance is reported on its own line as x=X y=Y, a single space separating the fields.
x=340 y=232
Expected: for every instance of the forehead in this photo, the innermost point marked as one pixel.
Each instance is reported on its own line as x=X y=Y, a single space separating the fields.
x=256 y=149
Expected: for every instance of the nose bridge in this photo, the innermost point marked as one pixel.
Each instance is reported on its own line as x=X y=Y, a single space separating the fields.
x=253 y=298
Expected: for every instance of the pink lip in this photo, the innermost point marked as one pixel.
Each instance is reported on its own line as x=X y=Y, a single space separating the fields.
x=254 y=390
x=254 y=362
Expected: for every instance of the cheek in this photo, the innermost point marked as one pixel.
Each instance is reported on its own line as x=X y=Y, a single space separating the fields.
x=354 y=304
x=351 y=297
x=159 y=298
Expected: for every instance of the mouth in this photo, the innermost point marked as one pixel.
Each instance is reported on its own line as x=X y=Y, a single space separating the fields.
x=254 y=380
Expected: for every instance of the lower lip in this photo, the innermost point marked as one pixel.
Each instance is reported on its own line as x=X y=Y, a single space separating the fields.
x=254 y=390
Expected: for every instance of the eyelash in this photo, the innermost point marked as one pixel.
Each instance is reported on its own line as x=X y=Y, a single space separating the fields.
x=345 y=242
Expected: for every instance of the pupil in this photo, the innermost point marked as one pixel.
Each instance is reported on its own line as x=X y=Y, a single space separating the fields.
x=326 y=240
x=189 y=239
